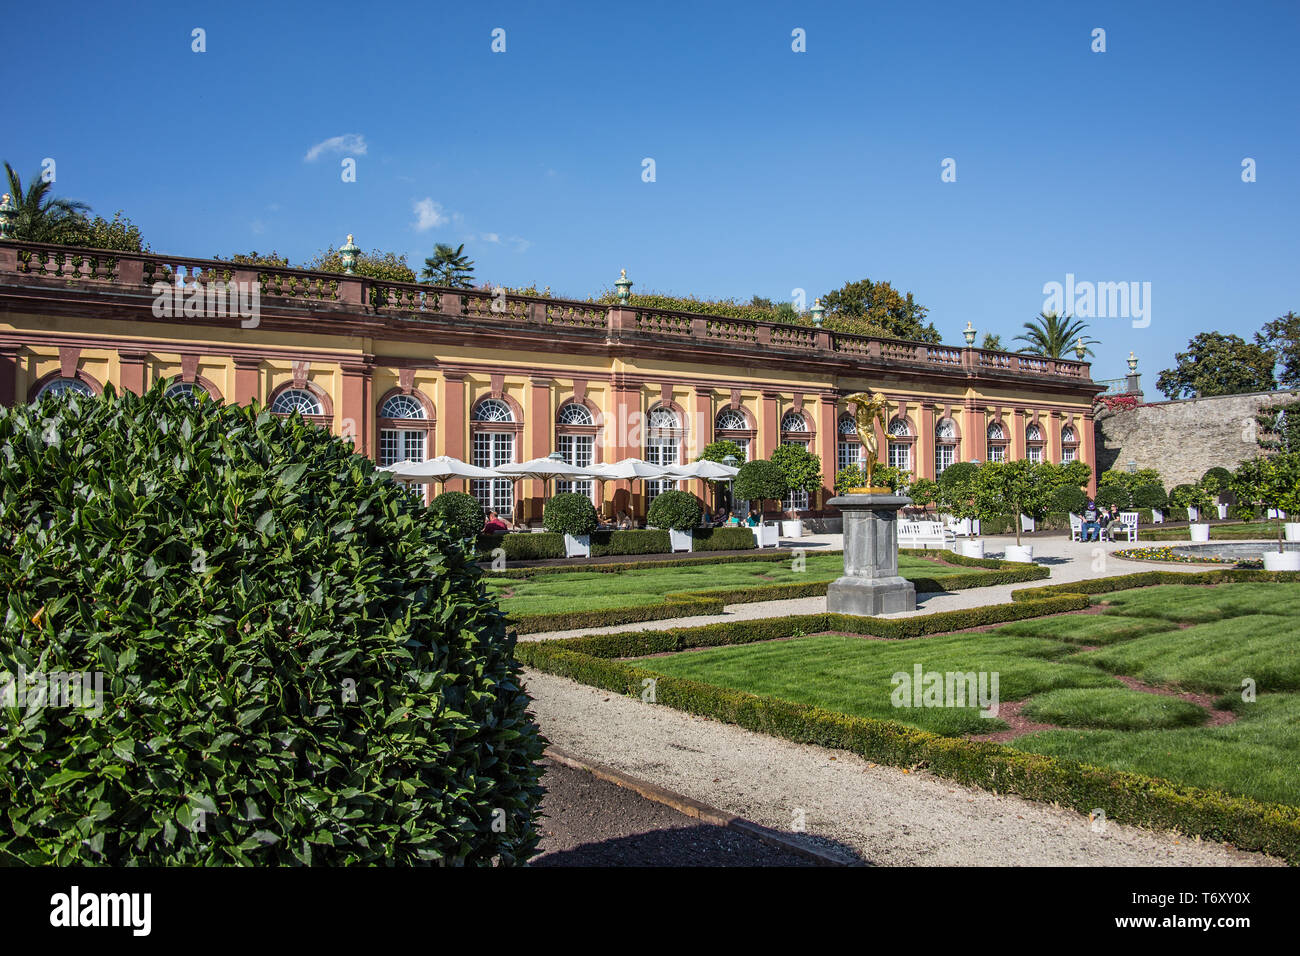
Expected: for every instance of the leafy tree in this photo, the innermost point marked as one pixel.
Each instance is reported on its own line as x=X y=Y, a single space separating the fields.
x=993 y=342
x=1218 y=364
x=462 y=512
x=118 y=233
x=1114 y=494
x=1014 y=488
x=376 y=264
x=1278 y=427
x=448 y=267
x=1051 y=336
x=677 y=510
x=877 y=308
x=570 y=513
x=760 y=481
x=1069 y=499
x=1075 y=474
x=1269 y=480
x=1282 y=338
x=42 y=216
x=802 y=469
x=1190 y=496
x=719 y=450
x=923 y=492
x=272 y=259
x=1150 y=495
x=956 y=489
x=1216 y=482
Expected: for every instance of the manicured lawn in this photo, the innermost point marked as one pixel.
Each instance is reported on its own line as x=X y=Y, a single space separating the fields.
x=595 y=590
x=1255 y=756
x=852 y=675
x=1186 y=637
x=1113 y=708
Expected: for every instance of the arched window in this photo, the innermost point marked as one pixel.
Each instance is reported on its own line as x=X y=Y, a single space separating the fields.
x=793 y=422
x=493 y=428
x=405 y=433
x=945 y=445
x=794 y=431
x=901 y=441
x=997 y=436
x=663 y=444
x=191 y=392
x=1033 y=442
x=849 y=451
x=575 y=439
x=1069 y=445
x=64 y=386
x=299 y=400
x=732 y=425
x=492 y=410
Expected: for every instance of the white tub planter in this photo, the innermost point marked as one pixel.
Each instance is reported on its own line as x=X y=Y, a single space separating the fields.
x=1223 y=511
x=577 y=545
x=972 y=549
x=792 y=528
x=1193 y=515
x=1282 y=560
x=765 y=535
x=1200 y=532
x=1292 y=530
x=1157 y=516
x=1024 y=553
x=681 y=540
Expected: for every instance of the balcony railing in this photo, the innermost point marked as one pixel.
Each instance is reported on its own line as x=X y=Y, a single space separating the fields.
x=327 y=291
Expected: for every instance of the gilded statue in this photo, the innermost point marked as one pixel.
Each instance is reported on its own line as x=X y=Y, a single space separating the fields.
x=871 y=410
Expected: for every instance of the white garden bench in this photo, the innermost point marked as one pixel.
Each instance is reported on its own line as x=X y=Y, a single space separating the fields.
x=924 y=534
x=1128 y=524
x=1076 y=527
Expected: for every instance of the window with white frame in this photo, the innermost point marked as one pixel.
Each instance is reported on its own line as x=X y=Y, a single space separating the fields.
x=662 y=447
x=403 y=434
x=296 y=400
x=1033 y=442
x=1069 y=445
x=492 y=448
x=945 y=445
x=579 y=451
x=191 y=392
x=849 y=450
x=63 y=386
x=900 y=444
x=997 y=442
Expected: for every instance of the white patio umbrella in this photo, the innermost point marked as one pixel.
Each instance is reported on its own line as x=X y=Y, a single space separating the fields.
x=712 y=470
x=440 y=469
x=541 y=469
x=626 y=469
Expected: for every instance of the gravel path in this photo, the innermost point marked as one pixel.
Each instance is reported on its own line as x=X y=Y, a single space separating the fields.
x=587 y=821
x=882 y=814
x=1067 y=560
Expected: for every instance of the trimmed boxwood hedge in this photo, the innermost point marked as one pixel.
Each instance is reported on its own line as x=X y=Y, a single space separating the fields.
x=537 y=546
x=1128 y=797
x=724 y=539
x=292 y=649
x=693 y=603
x=1143 y=579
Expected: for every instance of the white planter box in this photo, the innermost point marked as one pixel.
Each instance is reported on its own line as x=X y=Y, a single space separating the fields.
x=1292 y=530
x=1024 y=553
x=1193 y=515
x=1200 y=532
x=972 y=549
x=1026 y=524
x=577 y=546
x=765 y=535
x=681 y=540
x=1282 y=560
x=1157 y=516
x=1274 y=513
x=792 y=529
x=1223 y=511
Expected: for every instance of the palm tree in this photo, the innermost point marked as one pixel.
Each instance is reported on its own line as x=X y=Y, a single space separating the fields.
x=448 y=267
x=42 y=217
x=1051 y=336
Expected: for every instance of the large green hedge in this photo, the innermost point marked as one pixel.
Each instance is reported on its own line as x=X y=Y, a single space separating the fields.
x=293 y=651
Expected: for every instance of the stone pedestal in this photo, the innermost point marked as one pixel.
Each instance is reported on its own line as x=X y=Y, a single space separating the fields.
x=871 y=583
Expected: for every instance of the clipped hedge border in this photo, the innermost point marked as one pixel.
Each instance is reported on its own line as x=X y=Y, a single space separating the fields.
x=621 y=566
x=692 y=603
x=540 y=545
x=1126 y=797
x=1146 y=579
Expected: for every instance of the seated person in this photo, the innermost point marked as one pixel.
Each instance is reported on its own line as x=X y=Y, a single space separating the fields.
x=733 y=520
x=624 y=521
x=706 y=519
x=753 y=519
x=494 y=524
x=1091 y=522
x=1112 y=522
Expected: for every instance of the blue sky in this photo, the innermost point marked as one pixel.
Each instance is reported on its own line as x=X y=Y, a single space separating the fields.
x=775 y=170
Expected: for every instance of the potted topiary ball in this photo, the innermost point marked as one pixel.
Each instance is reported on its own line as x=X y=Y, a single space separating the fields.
x=1194 y=499
x=574 y=516
x=462 y=513
x=679 y=512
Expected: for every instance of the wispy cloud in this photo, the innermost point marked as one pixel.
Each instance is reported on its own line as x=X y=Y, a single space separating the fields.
x=427 y=215
x=347 y=143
